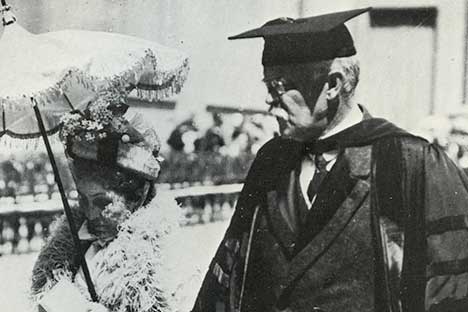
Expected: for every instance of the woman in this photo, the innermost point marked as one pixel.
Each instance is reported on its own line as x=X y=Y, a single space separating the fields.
x=126 y=228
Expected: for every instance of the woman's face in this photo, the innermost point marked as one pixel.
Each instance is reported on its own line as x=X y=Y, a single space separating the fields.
x=108 y=195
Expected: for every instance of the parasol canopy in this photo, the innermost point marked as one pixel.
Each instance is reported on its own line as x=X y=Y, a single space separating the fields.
x=63 y=70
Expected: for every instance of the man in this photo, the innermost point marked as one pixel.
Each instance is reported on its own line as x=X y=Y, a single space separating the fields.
x=124 y=227
x=342 y=212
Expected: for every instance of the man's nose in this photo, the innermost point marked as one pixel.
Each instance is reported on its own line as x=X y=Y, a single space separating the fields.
x=269 y=99
x=275 y=107
x=278 y=112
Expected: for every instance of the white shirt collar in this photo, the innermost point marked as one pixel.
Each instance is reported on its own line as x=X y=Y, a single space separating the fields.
x=353 y=117
x=329 y=156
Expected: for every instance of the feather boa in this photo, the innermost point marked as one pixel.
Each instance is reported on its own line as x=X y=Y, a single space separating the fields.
x=134 y=272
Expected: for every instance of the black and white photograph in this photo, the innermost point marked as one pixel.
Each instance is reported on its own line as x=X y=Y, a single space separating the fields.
x=234 y=156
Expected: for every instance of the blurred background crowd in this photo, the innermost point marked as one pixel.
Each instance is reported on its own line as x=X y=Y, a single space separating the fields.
x=208 y=149
x=205 y=149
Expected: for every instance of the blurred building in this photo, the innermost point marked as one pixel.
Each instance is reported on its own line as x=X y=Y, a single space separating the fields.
x=413 y=52
x=413 y=56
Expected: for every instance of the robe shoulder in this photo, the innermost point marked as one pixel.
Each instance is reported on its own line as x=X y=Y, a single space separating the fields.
x=411 y=169
x=274 y=158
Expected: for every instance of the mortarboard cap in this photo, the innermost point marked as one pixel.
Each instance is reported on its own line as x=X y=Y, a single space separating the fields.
x=311 y=39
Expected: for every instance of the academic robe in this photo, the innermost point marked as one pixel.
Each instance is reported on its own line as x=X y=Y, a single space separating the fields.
x=387 y=232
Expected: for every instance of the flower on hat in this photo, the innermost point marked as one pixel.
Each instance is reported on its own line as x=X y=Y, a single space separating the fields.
x=102 y=133
x=96 y=121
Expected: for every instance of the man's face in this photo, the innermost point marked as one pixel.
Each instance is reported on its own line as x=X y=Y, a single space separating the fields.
x=297 y=98
x=108 y=195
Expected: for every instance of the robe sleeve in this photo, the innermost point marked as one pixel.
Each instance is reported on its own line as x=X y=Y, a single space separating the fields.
x=219 y=282
x=426 y=194
x=446 y=228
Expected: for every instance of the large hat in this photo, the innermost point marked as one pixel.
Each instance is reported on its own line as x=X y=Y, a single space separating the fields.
x=102 y=133
x=312 y=39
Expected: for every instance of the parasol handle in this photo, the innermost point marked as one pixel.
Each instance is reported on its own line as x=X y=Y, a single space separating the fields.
x=66 y=206
x=3 y=118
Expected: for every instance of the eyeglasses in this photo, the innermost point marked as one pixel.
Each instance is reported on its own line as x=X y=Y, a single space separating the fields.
x=276 y=88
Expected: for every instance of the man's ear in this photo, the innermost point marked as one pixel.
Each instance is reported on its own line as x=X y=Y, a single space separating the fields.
x=335 y=83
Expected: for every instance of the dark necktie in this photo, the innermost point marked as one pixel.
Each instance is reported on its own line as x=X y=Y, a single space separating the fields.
x=319 y=175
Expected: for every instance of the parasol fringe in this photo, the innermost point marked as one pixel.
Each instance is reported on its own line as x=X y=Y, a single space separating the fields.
x=25 y=136
x=30 y=143
x=22 y=103
x=163 y=84
x=174 y=82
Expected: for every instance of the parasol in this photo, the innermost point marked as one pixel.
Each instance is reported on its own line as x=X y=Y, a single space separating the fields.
x=64 y=68
x=46 y=75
